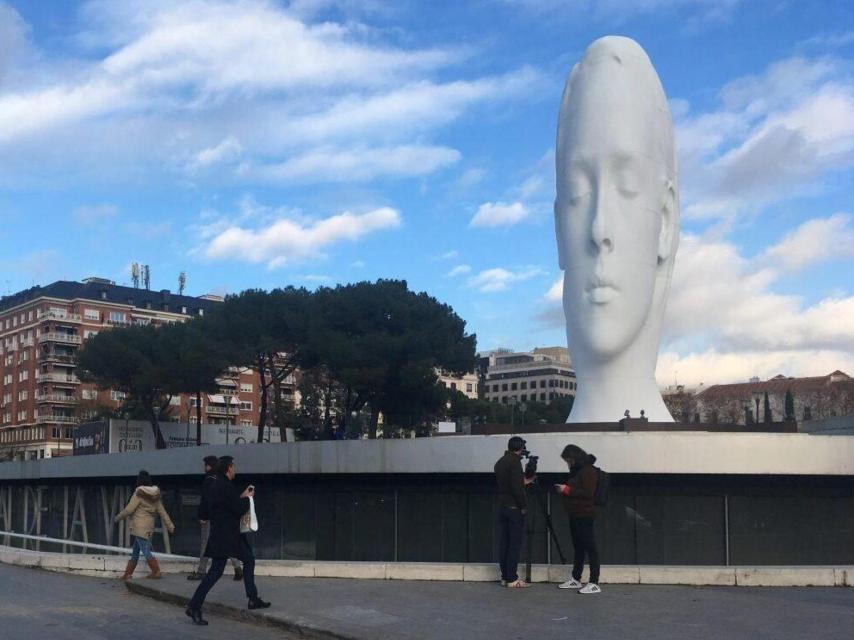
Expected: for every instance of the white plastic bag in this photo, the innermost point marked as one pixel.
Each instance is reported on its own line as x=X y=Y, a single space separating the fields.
x=249 y=521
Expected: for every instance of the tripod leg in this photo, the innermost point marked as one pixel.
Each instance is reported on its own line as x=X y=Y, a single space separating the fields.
x=529 y=543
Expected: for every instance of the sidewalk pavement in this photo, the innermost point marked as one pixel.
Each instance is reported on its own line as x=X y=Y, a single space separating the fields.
x=404 y=610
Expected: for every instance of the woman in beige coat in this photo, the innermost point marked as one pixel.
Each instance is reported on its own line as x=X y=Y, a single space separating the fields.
x=141 y=509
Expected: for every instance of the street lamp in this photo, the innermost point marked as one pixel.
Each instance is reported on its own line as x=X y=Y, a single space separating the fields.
x=227 y=415
x=512 y=412
x=189 y=408
x=522 y=409
x=757 y=397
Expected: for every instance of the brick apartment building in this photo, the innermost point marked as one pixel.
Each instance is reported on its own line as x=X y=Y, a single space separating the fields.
x=41 y=330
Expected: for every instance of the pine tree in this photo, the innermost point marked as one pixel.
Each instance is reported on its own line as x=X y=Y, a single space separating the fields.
x=789 y=405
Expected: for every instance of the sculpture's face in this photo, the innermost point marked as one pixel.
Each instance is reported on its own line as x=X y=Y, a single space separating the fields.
x=612 y=189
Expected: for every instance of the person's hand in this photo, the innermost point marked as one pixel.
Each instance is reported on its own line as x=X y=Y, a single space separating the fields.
x=171 y=529
x=560 y=488
x=529 y=480
x=203 y=521
x=248 y=492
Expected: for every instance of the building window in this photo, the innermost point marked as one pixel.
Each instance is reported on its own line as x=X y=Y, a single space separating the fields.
x=524 y=397
x=245 y=387
x=542 y=397
x=543 y=386
x=523 y=385
x=513 y=386
x=89 y=394
x=245 y=406
x=91 y=314
x=504 y=387
x=495 y=388
x=117 y=317
x=807 y=413
x=246 y=423
x=117 y=395
x=469 y=387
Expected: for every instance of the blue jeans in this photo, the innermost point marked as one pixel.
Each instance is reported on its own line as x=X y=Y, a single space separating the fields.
x=143 y=546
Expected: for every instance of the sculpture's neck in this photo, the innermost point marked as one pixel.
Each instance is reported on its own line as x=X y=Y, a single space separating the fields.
x=625 y=382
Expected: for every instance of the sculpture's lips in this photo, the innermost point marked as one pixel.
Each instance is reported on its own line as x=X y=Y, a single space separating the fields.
x=602 y=294
x=601 y=291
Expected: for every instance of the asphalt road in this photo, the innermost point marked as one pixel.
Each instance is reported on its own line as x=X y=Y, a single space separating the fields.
x=41 y=605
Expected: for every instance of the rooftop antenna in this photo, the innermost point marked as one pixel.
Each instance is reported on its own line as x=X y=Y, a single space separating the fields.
x=182 y=282
x=146 y=276
x=134 y=274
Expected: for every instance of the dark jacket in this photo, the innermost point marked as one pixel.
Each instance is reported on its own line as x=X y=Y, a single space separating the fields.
x=511 y=481
x=204 y=505
x=582 y=482
x=226 y=508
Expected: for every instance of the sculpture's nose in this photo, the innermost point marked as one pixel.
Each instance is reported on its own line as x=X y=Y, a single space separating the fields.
x=601 y=230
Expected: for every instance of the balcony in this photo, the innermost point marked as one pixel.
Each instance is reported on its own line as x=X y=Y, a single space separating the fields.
x=66 y=338
x=63 y=378
x=67 y=317
x=26 y=342
x=56 y=398
x=222 y=411
x=56 y=419
x=57 y=357
x=117 y=323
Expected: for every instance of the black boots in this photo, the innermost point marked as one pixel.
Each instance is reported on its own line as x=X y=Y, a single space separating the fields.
x=258 y=603
x=238 y=574
x=196 y=615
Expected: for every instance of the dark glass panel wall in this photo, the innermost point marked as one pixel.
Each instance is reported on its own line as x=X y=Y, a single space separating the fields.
x=650 y=519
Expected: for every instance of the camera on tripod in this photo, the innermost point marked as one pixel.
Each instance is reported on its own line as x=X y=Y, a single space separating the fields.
x=531 y=464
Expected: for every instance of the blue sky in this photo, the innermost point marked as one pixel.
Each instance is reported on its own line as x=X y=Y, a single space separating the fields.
x=319 y=141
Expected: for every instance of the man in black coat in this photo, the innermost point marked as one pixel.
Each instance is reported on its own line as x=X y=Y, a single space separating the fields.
x=226 y=507
x=204 y=520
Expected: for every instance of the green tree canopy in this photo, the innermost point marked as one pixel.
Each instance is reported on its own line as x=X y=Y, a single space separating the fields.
x=384 y=343
x=136 y=361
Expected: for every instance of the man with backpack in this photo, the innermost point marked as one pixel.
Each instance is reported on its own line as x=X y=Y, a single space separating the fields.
x=580 y=493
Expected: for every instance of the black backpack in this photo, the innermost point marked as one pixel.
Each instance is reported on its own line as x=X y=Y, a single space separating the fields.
x=603 y=483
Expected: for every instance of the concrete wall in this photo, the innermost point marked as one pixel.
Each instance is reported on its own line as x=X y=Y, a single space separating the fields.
x=624 y=453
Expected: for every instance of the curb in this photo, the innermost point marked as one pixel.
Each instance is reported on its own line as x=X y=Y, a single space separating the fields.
x=240 y=615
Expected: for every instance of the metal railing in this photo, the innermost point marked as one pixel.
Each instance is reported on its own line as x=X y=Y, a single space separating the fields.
x=56 y=419
x=56 y=397
x=223 y=411
x=58 y=377
x=88 y=545
x=69 y=338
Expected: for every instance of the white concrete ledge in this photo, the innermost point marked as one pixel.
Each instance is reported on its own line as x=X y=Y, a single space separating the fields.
x=800 y=576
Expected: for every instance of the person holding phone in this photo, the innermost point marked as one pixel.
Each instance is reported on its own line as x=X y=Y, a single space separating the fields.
x=226 y=508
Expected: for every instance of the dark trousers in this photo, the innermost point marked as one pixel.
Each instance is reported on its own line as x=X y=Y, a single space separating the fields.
x=246 y=556
x=584 y=542
x=510 y=523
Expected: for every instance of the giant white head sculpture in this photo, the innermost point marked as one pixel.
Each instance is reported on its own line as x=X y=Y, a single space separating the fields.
x=617 y=226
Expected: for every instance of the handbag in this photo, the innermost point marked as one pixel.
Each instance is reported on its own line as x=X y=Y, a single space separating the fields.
x=249 y=520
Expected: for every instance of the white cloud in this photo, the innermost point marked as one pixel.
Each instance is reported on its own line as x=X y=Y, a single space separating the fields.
x=500 y=279
x=459 y=270
x=555 y=292
x=287 y=240
x=499 y=214
x=774 y=133
x=816 y=240
x=714 y=367
x=229 y=150
x=448 y=255
x=345 y=104
x=358 y=165
x=91 y=214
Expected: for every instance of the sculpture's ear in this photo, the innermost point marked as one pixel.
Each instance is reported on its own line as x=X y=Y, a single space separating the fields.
x=668 y=235
x=559 y=234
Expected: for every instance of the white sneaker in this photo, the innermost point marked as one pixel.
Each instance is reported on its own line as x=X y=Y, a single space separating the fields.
x=590 y=587
x=503 y=582
x=572 y=583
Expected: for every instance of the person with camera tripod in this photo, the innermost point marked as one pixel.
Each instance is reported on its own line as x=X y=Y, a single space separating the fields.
x=511 y=515
x=578 y=493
